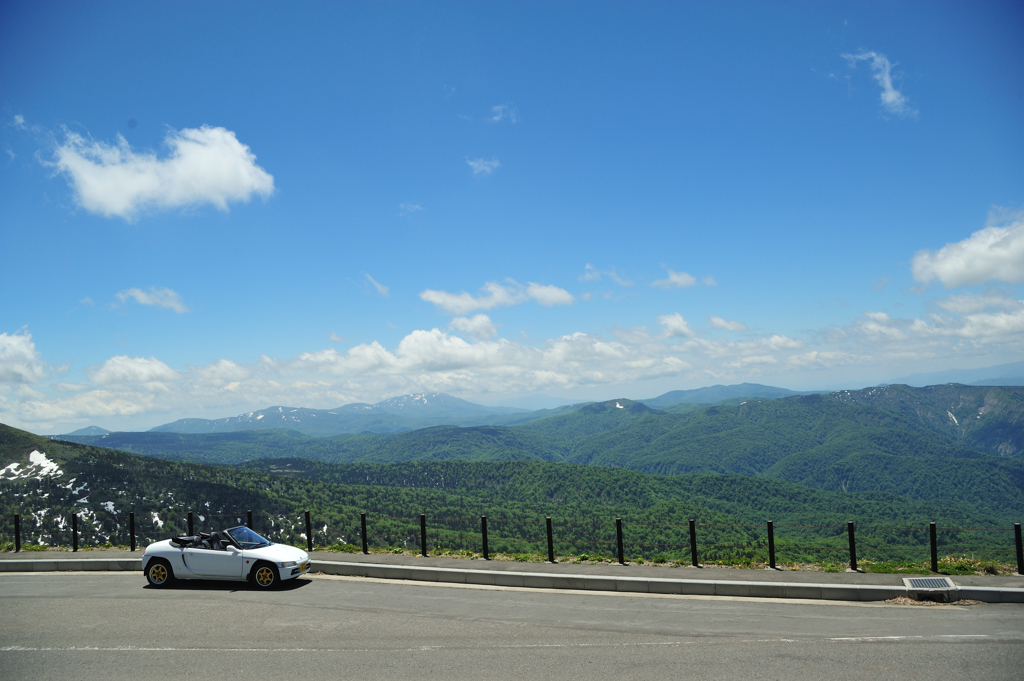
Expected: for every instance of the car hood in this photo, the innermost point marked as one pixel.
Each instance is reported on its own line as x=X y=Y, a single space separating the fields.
x=278 y=553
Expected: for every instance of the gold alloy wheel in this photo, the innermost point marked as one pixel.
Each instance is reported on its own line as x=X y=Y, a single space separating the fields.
x=158 y=574
x=265 y=576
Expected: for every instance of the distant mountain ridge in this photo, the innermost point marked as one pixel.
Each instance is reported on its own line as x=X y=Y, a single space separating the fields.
x=396 y=414
x=426 y=410
x=90 y=430
x=719 y=393
x=999 y=375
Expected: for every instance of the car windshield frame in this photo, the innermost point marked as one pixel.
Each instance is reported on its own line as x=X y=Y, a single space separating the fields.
x=246 y=538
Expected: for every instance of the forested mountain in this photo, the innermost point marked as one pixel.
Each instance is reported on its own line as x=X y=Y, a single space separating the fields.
x=46 y=481
x=943 y=442
x=990 y=418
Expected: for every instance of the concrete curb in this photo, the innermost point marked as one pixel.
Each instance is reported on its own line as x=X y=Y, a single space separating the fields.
x=72 y=565
x=542 y=580
x=695 y=587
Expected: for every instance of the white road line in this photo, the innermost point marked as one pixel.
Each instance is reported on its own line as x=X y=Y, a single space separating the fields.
x=905 y=638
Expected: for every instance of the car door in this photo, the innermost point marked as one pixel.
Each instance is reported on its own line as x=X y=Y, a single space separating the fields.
x=225 y=563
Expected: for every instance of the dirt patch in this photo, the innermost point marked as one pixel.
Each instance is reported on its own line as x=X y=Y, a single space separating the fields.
x=903 y=600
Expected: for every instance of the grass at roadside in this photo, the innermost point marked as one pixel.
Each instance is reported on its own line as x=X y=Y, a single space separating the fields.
x=949 y=565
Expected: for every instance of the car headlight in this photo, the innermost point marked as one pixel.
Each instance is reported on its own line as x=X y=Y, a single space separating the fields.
x=290 y=563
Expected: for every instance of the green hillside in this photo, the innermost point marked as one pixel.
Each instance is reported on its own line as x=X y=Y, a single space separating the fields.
x=942 y=443
x=102 y=485
x=816 y=441
x=987 y=418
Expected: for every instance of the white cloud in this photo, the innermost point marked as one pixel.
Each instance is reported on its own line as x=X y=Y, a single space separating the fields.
x=71 y=387
x=880 y=326
x=675 y=280
x=94 y=403
x=993 y=324
x=18 y=121
x=405 y=209
x=892 y=99
x=674 y=325
x=549 y=296
x=504 y=112
x=990 y=254
x=381 y=288
x=709 y=281
x=826 y=359
x=482 y=166
x=479 y=325
x=591 y=273
x=496 y=295
x=749 y=360
x=779 y=342
x=982 y=327
x=220 y=373
x=160 y=297
x=471 y=359
x=124 y=369
x=968 y=303
x=19 y=359
x=335 y=338
x=719 y=323
x=205 y=166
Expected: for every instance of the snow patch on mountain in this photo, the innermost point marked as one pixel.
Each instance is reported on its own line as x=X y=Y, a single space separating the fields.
x=39 y=466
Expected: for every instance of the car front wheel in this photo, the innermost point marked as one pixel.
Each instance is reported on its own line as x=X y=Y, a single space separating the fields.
x=158 y=573
x=265 y=576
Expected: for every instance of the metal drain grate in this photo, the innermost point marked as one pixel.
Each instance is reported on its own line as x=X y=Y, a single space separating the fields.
x=932 y=588
x=930 y=583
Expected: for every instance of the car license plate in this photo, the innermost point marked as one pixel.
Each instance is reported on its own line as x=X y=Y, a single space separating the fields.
x=303 y=567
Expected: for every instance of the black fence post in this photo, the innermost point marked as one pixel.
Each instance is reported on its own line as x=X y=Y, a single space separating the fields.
x=853 y=545
x=618 y=540
x=423 y=534
x=248 y=519
x=17 y=534
x=693 y=542
x=309 y=533
x=191 y=526
x=131 y=529
x=362 y=523
x=74 y=531
x=551 y=544
x=771 y=545
x=935 y=547
x=483 y=534
x=1016 y=539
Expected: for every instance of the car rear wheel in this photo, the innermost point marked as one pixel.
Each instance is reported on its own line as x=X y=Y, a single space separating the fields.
x=158 y=573
x=264 y=575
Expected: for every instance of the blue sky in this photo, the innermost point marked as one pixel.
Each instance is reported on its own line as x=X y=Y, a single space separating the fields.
x=207 y=210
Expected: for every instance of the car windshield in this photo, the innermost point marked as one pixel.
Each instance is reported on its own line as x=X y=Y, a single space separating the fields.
x=246 y=538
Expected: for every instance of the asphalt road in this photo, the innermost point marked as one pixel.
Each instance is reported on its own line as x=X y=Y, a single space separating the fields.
x=111 y=626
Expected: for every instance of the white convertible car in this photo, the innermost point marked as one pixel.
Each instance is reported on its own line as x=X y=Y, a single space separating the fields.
x=234 y=554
